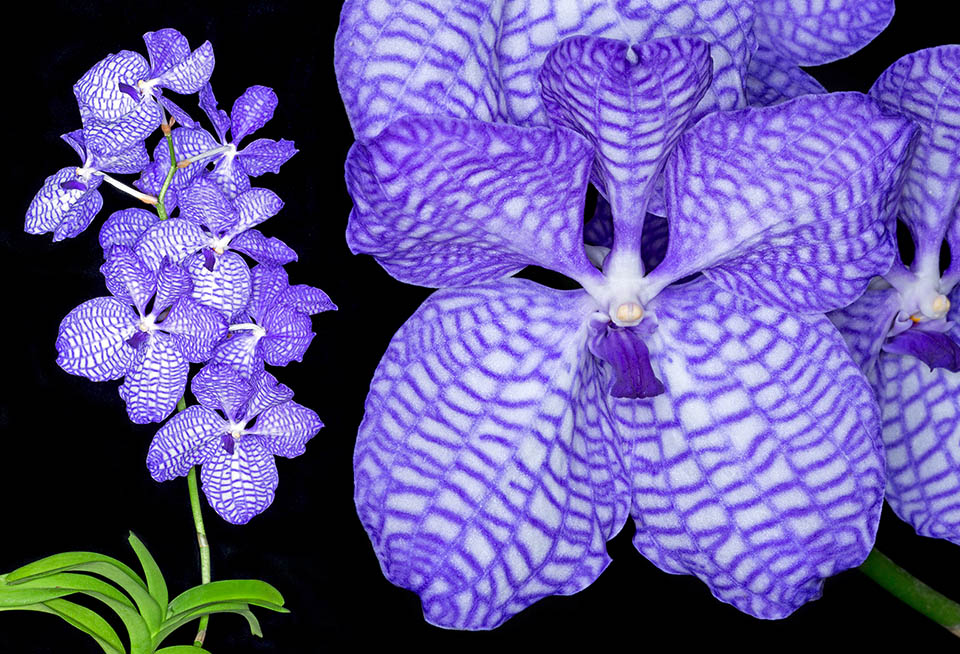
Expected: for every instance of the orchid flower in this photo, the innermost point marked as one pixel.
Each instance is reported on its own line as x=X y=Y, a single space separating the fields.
x=511 y=428
x=905 y=331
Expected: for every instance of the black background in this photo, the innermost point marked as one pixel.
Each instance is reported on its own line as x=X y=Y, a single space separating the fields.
x=73 y=476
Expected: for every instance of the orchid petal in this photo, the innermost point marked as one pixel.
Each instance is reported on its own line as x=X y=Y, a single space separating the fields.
x=925 y=86
x=128 y=279
x=632 y=113
x=124 y=227
x=55 y=204
x=123 y=162
x=866 y=323
x=98 y=92
x=92 y=338
x=165 y=48
x=179 y=115
x=205 y=203
x=254 y=207
x=268 y=392
x=219 y=117
x=229 y=174
x=267 y=284
x=174 y=239
x=812 y=33
x=759 y=470
x=479 y=478
x=251 y=111
x=240 y=352
x=75 y=140
x=921 y=438
x=156 y=380
x=307 y=299
x=124 y=132
x=79 y=217
x=441 y=201
x=241 y=484
x=226 y=288
x=796 y=200
x=773 y=78
x=190 y=74
x=285 y=428
x=261 y=249
x=197 y=329
x=173 y=282
x=265 y=156
x=288 y=335
x=184 y=442
x=220 y=388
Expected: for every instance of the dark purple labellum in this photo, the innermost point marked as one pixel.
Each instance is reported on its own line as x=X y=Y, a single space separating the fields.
x=933 y=348
x=129 y=90
x=226 y=441
x=137 y=339
x=626 y=353
x=209 y=259
x=73 y=185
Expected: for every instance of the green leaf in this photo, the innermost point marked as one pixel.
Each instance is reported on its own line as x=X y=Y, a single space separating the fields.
x=248 y=591
x=155 y=582
x=174 y=622
x=87 y=621
x=146 y=605
x=70 y=582
x=61 y=562
x=182 y=649
x=26 y=596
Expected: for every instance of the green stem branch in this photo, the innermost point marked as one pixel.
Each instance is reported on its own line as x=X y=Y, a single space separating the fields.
x=912 y=592
x=161 y=210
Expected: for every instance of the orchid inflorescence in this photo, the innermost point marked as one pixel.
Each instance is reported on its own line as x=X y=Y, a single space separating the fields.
x=181 y=289
x=698 y=381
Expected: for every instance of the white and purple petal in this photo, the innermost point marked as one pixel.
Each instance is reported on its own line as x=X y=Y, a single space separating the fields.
x=58 y=202
x=205 y=203
x=796 y=200
x=480 y=474
x=441 y=201
x=197 y=329
x=285 y=428
x=261 y=249
x=307 y=299
x=128 y=279
x=240 y=484
x=191 y=73
x=184 y=442
x=251 y=111
x=866 y=323
x=265 y=156
x=173 y=282
x=99 y=93
x=156 y=379
x=226 y=287
x=268 y=392
x=217 y=116
x=760 y=469
x=220 y=388
x=241 y=352
x=773 y=78
x=173 y=239
x=92 y=339
x=124 y=227
x=253 y=207
x=288 y=336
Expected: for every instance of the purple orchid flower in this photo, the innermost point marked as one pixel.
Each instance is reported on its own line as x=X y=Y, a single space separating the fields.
x=147 y=333
x=69 y=200
x=233 y=434
x=905 y=331
x=512 y=428
x=120 y=96
x=188 y=142
x=251 y=111
x=275 y=326
x=208 y=236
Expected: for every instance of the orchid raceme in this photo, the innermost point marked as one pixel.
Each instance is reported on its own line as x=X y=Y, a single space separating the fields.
x=511 y=428
x=905 y=331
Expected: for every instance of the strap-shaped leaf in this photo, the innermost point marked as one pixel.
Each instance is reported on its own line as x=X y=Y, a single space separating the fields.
x=156 y=585
x=250 y=591
x=175 y=622
x=65 y=581
x=84 y=619
x=182 y=649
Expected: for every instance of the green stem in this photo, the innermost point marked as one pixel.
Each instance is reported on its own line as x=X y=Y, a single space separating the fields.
x=912 y=592
x=161 y=210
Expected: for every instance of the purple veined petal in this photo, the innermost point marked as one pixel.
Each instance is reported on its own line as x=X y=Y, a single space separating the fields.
x=416 y=57
x=156 y=379
x=218 y=117
x=936 y=349
x=527 y=33
x=124 y=227
x=810 y=33
x=262 y=249
x=229 y=174
x=220 y=388
x=98 y=92
x=921 y=438
x=124 y=132
x=284 y=429
x=478 y=475
x=181 y=116
x=268 y=392
x=75 y=140
x=760 y=469
x=267 y=284
x=865 y=324
x=254 y=207
x=123 y=162
x=54 y=202
x=241 y=352
x=127 y=278
x=197 y=329
x=184 y=442
x=166 y=48
x=187 y=142
x=79 y=217
x=251 y=111
x=925 y=86
x=241 y=484
x=307 y=299
x=226 y=288
x=265 y=156
x=796 y=200
x=441 y=201
x=190 y=74
x=631 y=103
x=289 y=333
x=174 y=239
x=772 y=79
x=173 y=282
x=205 y=203
x=92 y=338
